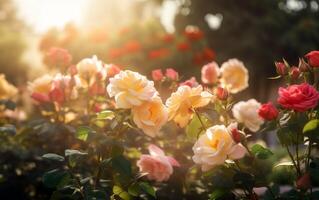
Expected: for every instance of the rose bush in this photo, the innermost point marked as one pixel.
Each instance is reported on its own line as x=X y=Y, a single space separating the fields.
x=95 y=121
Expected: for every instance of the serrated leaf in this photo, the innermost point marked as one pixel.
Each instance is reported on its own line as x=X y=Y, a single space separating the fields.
x=52 y=156
x=83 y=132
x=147 y=188
x=261 y=152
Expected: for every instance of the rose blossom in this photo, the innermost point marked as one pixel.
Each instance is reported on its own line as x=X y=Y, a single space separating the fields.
x=221 y=93
x=215 y=146
x=89 y=69
x=7 y=90
x=112 y=69
x=40 y=88
x=210 y=73
x=130 y=89
x=268 y=111
x=150 y=116
x=247 y=112
x=190 y=82
x=157 y=75
x=181 y=103
x=299 y=98
x=157 y=165
x=281 y=68
x=172 y=74
x=58 y=57
x=313 y=58
x=234 y=76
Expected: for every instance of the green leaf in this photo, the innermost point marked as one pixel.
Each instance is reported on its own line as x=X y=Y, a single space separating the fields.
x=53 y=178
x=83 y=132
x=134 y=190
x=195 y=128
x=244 y=180
x=217 y=193
x=74 y=152
x=122 y=165
x=117 y=190
x=261 y=152
x=52 y=156
x=105 y=115
x=147 y=188
x=311 y=129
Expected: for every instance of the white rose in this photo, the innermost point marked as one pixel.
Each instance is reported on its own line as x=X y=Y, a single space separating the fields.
x=215 y=146
x=246 y=112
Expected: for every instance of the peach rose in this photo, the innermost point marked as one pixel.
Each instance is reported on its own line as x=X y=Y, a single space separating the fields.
x=89 y=69
x=182 y=102
x=247 y=112
x=215 y=146
x=234 y=76
x=130 y=89
x=7 y=90
x=157 y=165
x=40 y=88
x=210 y=73
x=150 y=116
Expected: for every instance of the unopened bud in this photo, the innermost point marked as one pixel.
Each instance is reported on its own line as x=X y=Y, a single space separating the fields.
x=221 y=93
x=281 y=68
x=294 y=73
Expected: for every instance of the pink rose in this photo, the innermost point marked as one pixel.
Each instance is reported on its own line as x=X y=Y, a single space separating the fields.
x=210 y=73
x=190 y=82
x=172 y=74
x=157 y=166
x=157 y=75
x=281 y=68
x=268 y=111
x=298 y=97
x=313 y=58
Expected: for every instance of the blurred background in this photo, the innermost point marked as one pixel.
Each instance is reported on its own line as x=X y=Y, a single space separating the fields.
x=148 y=34
x=144 y=35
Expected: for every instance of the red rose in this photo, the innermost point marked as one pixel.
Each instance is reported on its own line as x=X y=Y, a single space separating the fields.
x=221 y=93
x=313 y=58
x=304 y=182
x=268 y=111
x=183 y=46
x=298 y=97
x=172 y=74
x=157 y=75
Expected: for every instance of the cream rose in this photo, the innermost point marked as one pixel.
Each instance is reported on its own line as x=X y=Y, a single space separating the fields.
x=157 y=165
x=182 y=102
x=215 y=146
x=150 y=116
x=89 y=69
x=246 y=112
x=7 y=90
x=130 y=89
x=41 y=87
x=234 y=75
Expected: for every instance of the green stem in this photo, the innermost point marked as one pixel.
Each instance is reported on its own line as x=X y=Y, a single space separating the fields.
x=293 y=160
x=200 y=119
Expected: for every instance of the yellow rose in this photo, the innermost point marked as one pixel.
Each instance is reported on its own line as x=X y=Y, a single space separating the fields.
x=130 y=89
x=246 y=112
x=215 y=146
x=41 y=87
x=150 y=116
x=7 y=90
x=182 y=102
x=234 y=75
x=89 y=69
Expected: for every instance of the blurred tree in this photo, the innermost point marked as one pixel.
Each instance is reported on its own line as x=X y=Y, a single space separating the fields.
x=12 y=43
x=258 y=32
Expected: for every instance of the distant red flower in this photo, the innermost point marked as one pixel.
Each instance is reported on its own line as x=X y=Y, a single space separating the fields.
x=193 y=33
x=58 y=57
x=168 y=38
x=124 y=30
x=97 y=89
x=172 y=74
x=112 y=70
x=208 y=54
x=157 y=75
x=158 y=53
x=115 y=53
x=198 y=59
x=183 y=46
x=132 y=46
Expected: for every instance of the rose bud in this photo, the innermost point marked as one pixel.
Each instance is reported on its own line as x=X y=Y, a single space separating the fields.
x=294 y=73
x=303 y=66
x=268 y=111
x=172 y=74
x=304 y=182
x=157 y=75
x=281 y=68
x=313 y=58
x=236 y=135
x=221 y=93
